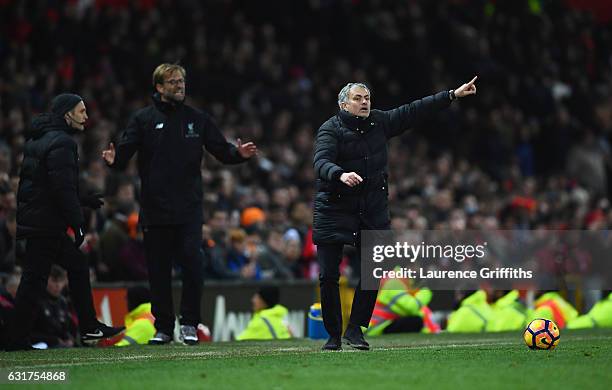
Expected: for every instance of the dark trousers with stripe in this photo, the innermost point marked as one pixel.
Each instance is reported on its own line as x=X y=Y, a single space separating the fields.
x=182 y=244
x=40 y=254
x=329 y=257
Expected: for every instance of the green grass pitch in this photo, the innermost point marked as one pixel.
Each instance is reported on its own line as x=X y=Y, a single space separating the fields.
x=582 y=360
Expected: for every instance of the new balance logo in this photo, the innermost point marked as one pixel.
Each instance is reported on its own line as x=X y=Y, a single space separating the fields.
x=159 y=126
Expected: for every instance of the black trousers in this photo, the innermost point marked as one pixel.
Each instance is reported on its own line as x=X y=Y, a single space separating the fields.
x=329 y=257
x=163 y=245
x=40 y=254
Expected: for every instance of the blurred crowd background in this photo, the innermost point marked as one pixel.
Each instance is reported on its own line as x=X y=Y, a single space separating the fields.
x=530 y=151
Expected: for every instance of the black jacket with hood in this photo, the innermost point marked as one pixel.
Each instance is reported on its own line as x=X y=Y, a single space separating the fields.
x=169 y=140
x=48 y=194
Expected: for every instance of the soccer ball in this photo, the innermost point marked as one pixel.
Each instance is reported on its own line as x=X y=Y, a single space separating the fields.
x=541 y=334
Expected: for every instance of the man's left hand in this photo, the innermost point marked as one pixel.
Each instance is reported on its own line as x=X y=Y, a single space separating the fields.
x=466 y=89
x=247 y=150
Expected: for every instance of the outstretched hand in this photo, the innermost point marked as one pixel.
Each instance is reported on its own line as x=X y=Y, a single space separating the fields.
x=466 y=89
x=247 y=150
x=109 y=154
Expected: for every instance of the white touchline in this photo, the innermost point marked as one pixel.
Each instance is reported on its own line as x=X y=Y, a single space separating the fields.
x=279 y=351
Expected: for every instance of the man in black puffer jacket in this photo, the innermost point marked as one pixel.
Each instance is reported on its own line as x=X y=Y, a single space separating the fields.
x=169 y=137
x=350 y=162
x=50 y=220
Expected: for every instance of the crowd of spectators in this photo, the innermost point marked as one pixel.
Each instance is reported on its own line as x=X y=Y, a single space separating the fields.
x=531 y=150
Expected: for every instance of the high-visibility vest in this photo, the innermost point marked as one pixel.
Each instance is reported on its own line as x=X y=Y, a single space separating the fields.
x=429 y=325
x=552 y=306
x=393 y=304
x=600 y=316
x=139 y=326
x=472 y=316
x=508 y=314
x=267 y=324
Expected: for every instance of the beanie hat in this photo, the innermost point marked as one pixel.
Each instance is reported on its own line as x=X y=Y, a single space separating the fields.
x=270 y=295
x=252 y=215
x=64 y=102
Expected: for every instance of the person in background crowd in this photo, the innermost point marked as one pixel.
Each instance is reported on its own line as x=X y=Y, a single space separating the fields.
x=54 y=326
x=7 y=299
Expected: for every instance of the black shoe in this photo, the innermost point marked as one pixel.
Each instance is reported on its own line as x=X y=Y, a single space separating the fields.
x=101 y=331
x=160 y=338
x=333 y=344
x=353 y=337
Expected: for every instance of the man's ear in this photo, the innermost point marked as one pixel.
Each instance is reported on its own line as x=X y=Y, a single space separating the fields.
x=158 y=88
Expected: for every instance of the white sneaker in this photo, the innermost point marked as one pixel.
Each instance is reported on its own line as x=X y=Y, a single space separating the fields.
x=160 y=338
x=189 y=335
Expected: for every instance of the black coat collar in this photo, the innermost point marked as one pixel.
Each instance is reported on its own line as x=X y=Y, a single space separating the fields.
x=354 y=122
x=164 y=106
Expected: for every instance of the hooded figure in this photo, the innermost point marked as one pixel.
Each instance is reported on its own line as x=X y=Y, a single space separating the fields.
x=49 y=167
x=50 y=220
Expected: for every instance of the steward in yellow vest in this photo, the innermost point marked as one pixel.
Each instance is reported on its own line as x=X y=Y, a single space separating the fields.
x=508 y=314
x=269 y=321
x=552 y=306
x=397 y=310
x=600 y=316
x=139 y=328
x=472 y=316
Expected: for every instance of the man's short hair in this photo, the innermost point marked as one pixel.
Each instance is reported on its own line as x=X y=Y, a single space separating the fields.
x=344 y=92
x=237 y=235
x=162 y=70
x=270 y=295
x=57 y=273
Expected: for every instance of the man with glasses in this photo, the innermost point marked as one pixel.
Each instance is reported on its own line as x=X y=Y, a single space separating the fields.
x=168 y=136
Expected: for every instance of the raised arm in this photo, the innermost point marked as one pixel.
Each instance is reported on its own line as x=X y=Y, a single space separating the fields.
x=215 y=143
x=407 y=116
